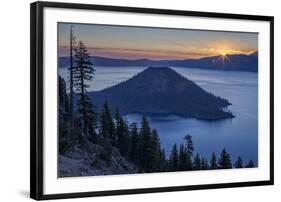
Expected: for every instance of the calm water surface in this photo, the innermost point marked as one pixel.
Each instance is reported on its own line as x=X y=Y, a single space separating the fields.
x=239 y=135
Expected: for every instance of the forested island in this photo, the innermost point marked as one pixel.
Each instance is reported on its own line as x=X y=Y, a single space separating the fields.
x=163 y=91
x=95 y=140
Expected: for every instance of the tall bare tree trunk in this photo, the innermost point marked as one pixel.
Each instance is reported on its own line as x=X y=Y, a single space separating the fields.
x=71 y=77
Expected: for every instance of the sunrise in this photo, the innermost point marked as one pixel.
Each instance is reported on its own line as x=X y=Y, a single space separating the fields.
x=156 y=43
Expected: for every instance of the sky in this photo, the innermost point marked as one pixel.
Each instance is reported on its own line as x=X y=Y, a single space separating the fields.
x=130 y=42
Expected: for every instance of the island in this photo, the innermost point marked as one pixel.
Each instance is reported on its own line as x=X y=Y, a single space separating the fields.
x=163 y=91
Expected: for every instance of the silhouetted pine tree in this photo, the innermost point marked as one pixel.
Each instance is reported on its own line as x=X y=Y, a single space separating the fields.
x=213 y=161
x=250 y=164
x=189 y=149
x=135 y=150
x=124 y=138
x=106 y=126
x=182 y=158
x=163 y=162
x=197 y=162
x=145 y=150
x=174 y=159
x=72 y=48
x=64 y=137
x=238 y=163
x=155 y=155
x=89 y=117
x=204 y=164
x=224 y=161
x=63 y=103
x=117 y=118
x=82 y=73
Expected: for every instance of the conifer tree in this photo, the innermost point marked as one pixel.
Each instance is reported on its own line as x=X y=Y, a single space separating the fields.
x=197 y=162
x=106 y=127
x=163 y=162
x=189 y=149
x=174 y=159
x=155 y=151
x=135 y=143
x=238 y=163
x=82 y=73
x=224 y=161
x=213 y=161
x=72 y=48
x=65 y=142
x=63 y=103
x=250 y=164
x=145 y=139
x=204 y=164
x=189 y=144
x=182 y=158
x=124 y=138
x=117 y=118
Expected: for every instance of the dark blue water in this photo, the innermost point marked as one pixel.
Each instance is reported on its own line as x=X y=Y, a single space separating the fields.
x=239 y=135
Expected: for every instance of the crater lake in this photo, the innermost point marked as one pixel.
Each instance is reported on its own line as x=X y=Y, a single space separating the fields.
x=238 y=135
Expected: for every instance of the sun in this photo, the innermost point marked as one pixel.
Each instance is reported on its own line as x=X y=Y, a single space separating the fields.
x=223 y=54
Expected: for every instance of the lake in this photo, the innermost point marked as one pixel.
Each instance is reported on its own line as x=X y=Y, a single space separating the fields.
x=238 y=135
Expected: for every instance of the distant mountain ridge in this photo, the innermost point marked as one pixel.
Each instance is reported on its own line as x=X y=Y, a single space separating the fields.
x=162 y=91
x=237 y=62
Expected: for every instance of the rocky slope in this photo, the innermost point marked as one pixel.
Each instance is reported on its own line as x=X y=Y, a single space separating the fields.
x=92 y=160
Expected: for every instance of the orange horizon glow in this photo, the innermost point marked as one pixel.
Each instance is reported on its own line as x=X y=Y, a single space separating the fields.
x=157 y=54
x=155 y=43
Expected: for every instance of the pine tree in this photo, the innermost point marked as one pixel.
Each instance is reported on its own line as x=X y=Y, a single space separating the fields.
x=238 y=163
x=155 y=151
x=189 y=149
x=106 y=128
x=63 y=103
x=213 y=161
x=64 y=141
x=189 y=144
x=250 y=164
x=82 y=73
x=91 y=118
x=117 y=118
x=224 y=161
x=197 y=162
x=145 y=138
x=204 y=164
x=135 y=150
x=124 y=138
x=182 y=158
x=72 y=42
x=163 y=162
x=174 y=159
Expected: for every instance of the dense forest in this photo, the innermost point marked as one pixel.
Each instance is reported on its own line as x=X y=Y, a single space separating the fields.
x=83 y=126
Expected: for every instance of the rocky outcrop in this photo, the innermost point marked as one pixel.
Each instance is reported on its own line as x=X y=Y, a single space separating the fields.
x=92 y=160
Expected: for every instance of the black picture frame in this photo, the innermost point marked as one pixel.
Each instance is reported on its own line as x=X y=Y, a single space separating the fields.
x=37 y=99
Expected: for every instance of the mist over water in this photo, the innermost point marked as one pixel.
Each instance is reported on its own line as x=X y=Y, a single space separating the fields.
x=238 y=135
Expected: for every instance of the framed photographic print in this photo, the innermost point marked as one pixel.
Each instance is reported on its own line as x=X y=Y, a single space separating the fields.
x=134 y=100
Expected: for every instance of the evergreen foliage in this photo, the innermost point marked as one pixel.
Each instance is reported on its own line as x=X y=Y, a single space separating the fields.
x=197 y=162
x=250 y=164
x=238 y=163
x=83 y=72
x=106 y=126
x=174 y=159
x=189 y=149
x=213 y=161
x=224 y=161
